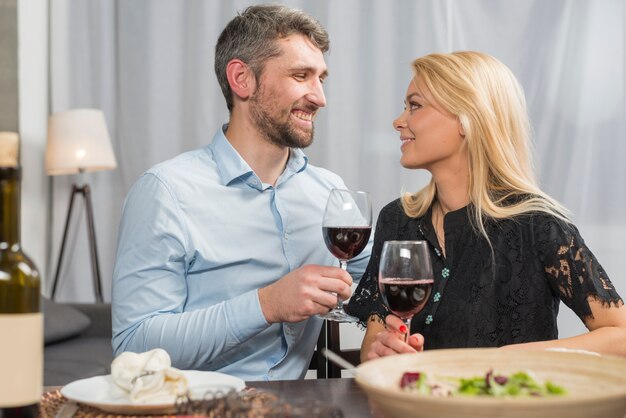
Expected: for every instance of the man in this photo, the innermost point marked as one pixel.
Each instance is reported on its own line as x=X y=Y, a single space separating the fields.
x=220 y=258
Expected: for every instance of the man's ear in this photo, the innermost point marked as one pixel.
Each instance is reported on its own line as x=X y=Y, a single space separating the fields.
x=240 y=78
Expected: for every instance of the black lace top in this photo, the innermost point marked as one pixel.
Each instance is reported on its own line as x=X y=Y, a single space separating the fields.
x=484 y=300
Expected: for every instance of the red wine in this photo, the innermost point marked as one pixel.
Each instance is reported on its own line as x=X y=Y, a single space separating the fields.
x=405 y=297
x=347 y=242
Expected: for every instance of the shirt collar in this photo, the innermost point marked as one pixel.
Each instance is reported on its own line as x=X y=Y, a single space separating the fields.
x=232 y=167
x=297 y=162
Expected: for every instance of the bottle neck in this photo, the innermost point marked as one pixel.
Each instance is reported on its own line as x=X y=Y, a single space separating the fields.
x=9 y=206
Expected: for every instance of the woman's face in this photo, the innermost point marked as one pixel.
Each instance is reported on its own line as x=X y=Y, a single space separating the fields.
x=432 y=138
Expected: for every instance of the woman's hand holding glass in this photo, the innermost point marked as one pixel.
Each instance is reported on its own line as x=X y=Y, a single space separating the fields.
x=391 y=338
x=405 y=282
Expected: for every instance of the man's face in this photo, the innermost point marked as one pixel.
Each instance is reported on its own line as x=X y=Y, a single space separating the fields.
x=289 y=93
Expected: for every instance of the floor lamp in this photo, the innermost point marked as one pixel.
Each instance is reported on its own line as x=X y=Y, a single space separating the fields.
x=78 y=142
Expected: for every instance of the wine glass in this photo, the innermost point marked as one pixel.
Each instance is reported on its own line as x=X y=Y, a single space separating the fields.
x=405 y=278
x=346 y=227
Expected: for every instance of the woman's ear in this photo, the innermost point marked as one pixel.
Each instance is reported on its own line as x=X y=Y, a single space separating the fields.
x=240 y=78
x=461 y=128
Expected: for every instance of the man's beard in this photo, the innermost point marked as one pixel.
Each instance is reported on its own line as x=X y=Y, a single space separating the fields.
x=283 y=134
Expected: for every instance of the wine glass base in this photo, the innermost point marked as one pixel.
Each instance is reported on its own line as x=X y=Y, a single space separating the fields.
x=339 y=315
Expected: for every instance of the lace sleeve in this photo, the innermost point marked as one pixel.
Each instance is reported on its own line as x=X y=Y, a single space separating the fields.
x=366 y=300
x=573 y=272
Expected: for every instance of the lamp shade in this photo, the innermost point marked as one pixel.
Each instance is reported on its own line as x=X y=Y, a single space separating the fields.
x=78 y=141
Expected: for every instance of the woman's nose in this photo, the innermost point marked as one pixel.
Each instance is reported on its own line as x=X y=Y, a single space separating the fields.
x=399 y=122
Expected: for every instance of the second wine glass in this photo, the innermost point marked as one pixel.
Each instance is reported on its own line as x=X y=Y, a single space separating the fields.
x=346 y=227
x=405 y=278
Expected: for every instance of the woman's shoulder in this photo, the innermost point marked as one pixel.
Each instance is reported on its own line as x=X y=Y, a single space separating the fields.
x=394 y=210
x=546 y=221
x=535 y=209
x=538 y=228
x=394 y=223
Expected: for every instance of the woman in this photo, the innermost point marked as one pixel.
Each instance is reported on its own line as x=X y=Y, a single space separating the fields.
x=504 y=253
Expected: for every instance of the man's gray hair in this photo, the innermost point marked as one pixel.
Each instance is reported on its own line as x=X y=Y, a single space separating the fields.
x=252 y=37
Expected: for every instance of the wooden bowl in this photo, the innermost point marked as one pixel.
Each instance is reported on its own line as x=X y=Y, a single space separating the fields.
x=595 y=385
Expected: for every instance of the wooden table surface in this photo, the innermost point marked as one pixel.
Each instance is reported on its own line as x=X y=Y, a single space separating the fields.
x=343 y=393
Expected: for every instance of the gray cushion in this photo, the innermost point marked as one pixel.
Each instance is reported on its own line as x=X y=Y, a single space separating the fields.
x=77 y=358
x=62 y=321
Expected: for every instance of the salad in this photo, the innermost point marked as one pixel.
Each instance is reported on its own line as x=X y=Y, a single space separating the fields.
x=519 y=384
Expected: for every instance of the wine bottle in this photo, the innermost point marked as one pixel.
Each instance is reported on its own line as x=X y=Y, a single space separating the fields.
x=21 y=321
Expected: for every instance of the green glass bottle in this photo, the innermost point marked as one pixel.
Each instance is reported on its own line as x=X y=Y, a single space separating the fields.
x=21 y=320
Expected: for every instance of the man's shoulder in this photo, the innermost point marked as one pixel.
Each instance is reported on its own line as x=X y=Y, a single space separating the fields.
x=182 y=172
x=184 y=164
x=193 y=157
x=325 y=174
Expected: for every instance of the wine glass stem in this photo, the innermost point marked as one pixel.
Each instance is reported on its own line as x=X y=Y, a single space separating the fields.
x=344 y=266
x=407 y=322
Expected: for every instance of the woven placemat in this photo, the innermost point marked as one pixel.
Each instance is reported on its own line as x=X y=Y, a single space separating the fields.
x=250 y=403
x=51 y=403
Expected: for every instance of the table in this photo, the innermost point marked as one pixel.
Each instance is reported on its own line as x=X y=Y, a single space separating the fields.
x=343 y=393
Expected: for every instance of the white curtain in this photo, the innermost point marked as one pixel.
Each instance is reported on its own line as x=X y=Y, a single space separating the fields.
x=149 y=65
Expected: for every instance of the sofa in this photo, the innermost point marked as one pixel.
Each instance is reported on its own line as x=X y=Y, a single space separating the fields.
x=77 y=341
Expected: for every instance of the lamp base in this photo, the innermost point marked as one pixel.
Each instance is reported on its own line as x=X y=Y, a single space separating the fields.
x=85 y=191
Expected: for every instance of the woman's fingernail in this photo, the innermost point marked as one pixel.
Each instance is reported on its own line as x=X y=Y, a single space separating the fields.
x=403 y=329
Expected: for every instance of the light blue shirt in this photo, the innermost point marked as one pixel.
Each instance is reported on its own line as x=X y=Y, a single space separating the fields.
x=200 y=234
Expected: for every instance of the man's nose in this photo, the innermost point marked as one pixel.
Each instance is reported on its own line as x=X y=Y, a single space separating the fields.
x=316 y=95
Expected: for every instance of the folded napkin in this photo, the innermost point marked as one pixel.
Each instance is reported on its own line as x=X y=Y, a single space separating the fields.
x=149 y=376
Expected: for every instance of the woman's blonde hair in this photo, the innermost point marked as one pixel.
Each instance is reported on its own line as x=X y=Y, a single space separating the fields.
x=489 y=103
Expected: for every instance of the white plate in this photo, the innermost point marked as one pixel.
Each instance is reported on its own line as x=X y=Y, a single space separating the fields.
x=100 y=392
